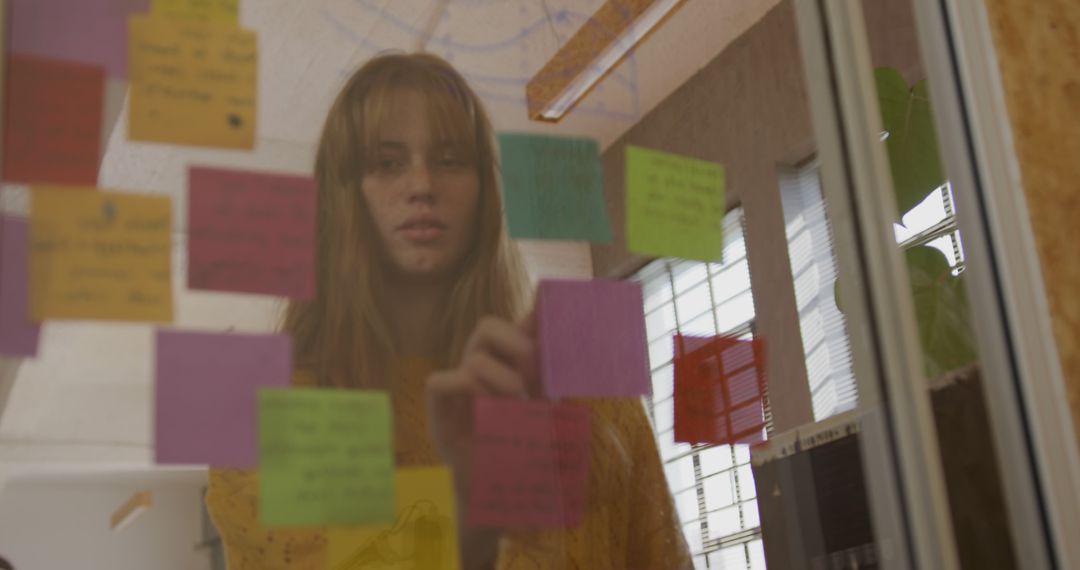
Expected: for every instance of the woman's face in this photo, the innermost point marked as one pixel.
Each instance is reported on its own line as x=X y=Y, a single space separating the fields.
x=422 y=194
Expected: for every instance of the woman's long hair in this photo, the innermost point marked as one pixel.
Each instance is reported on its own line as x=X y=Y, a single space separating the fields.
x=344 y=335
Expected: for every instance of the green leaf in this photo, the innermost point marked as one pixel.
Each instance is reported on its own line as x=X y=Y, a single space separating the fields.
x=912 y=142
x=942 y=311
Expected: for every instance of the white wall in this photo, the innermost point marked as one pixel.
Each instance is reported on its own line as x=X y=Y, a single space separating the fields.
x=61 y=521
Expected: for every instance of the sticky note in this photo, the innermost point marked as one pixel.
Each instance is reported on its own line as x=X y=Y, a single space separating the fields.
x=674 y=205
x=530 y=463
x=52 y=121
x=423 y=534
x=251 y=232
x=326 y=457
x=18 y=334
x=192 y=83
x=85 y=31
x=720 y=387
x=592 y=339
x=553 y=188
x=205 y=405
x=216 y=11
x=100 y=255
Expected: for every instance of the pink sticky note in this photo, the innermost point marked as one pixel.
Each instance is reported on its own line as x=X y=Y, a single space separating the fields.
x=18 y=335
x=206 y=403
x=251 y=232
x=87 y=31
x=592 y=339
x=530 y=463
x=53 y=117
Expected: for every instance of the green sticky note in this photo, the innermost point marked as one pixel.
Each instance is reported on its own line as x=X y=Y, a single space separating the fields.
x=325 y=457
x=674 y=205
x=553 y=188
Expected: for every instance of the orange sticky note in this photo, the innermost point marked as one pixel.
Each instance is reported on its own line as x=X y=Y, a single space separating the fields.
x=192 y=83
x=52 y=121
x=100 y=255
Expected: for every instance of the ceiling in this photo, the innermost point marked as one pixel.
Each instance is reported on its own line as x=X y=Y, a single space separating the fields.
x=87 y=397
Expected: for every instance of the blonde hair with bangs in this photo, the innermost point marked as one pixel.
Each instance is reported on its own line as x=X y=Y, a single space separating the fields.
x=344 y=335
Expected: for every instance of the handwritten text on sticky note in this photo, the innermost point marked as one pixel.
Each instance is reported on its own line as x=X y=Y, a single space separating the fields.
x=325 y=457
x=719 y=390
x=205 y=397
x=192 y=83
x=52 y=121
x=553 y=188
x=100 y=255
x=674 y=205
x=251 y=233
x=592 y=339
x=218 y=11
x=18 y=334
x=424 y=534
x=530 y=463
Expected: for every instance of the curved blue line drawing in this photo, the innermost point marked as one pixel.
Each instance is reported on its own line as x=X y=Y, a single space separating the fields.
x=480 y=81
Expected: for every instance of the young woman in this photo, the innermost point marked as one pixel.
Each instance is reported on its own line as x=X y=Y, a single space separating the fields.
x=421 y=293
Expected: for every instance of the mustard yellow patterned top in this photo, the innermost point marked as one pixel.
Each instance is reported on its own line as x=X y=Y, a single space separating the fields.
x=629 y=522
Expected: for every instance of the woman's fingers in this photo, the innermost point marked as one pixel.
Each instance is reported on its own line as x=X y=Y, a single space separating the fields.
x=504 y=340
x=494 y=374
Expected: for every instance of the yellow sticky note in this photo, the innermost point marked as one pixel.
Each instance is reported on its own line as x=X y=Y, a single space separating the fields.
x=423 y=536
x=214 y=11
x=100 y=255
x=192 y=83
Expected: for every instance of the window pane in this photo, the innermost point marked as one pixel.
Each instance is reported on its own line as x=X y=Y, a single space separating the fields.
x=663 y=383
x=655 y=284
x=719 y=491
x=757 y=554
x=715 y=459
x=724 y=522
x=664 y=413
x=660 y=322
x=750 y=514
x=680 y=473
x=660 y=351
x=687 y=506
x=735 y=312
x=742 y=454
x=730 y=558
x=687 y=274
x=693 y=303
x=701 y=326
x=693 y=536
x=668 y=447
x=731 y=281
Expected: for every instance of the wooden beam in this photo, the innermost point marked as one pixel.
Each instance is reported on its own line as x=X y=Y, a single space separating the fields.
x=602 y=30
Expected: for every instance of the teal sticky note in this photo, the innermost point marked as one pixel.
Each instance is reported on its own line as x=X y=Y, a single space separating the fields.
x=553 y=188
x=325 y=457
x=674 y=205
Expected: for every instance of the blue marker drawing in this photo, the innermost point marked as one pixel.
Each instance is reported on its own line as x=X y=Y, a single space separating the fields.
x=508 y=88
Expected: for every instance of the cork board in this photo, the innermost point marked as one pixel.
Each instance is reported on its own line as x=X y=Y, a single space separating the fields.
x=1038 y=48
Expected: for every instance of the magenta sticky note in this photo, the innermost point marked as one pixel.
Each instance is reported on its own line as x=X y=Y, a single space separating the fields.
x=206 y=404
x=592 y=339
x=86 y=31
x=530 y=463
x=18 y=334
x=251 y=232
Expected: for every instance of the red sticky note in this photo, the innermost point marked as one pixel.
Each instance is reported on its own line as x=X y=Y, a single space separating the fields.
x=251 y=232
x=530 y=463
x=52 y=121
x=719 y=390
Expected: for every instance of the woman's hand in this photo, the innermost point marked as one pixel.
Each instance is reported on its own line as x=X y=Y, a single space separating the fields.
x=500 y=360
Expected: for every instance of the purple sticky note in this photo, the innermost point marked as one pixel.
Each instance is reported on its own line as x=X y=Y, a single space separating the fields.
x=206 y=401
x=592 y=339
x=18 y=334
x=87 y=31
